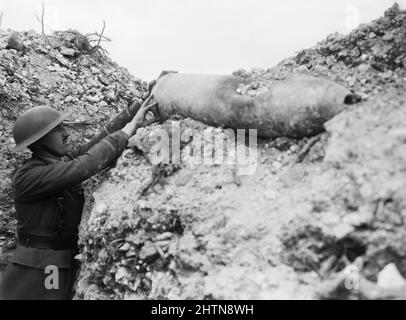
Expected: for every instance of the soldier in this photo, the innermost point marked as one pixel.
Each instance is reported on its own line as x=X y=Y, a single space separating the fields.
x=49 y=198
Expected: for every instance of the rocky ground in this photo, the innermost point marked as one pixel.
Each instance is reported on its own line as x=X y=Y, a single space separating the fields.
x=314 y=209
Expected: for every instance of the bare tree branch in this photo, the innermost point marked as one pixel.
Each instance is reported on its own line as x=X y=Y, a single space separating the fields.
x=1 y=18
x=100 y=38
x=305 y=150
x=42 y=17
x=94 y=39
x=97 y=35
x=101 y=35
x=41 y=20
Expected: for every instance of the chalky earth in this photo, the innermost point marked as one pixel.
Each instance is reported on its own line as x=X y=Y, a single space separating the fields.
x=313 y=208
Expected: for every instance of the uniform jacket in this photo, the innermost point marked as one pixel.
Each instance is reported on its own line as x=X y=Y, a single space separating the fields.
x=47 y=191
x=49 y=199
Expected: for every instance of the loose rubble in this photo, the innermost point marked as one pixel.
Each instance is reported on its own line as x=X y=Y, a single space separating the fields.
x=315 y=208
x=367 y=65
x=312 y=209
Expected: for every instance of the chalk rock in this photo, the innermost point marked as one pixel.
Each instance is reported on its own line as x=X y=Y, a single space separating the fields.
x=93 y=83
x=69 y=99
x=390 y=278
x=2 y=81
x=14 y=42
x=93 y=99
x=110 y=95
x=388 y=36
x=399 y=133
x=149 y=252
x=69 y=52
x=94 y=70
x=103 y=80
x=121 y=273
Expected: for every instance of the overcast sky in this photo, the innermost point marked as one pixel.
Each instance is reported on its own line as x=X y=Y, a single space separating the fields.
x=202 y=36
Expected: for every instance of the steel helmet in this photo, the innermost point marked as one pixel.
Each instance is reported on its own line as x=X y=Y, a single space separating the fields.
x=35 y=123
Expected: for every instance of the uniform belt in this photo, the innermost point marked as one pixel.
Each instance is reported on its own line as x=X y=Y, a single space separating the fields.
x=44 y=242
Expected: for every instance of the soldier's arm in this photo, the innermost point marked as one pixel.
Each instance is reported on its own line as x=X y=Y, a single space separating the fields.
x=112 y=126
x=44 y=180
x=121 y=119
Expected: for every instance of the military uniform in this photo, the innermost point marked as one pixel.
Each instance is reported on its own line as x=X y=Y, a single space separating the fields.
x=49 y=199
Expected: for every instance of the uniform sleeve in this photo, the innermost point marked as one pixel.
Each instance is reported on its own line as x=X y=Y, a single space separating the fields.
x=117 y=123
x=43 y=180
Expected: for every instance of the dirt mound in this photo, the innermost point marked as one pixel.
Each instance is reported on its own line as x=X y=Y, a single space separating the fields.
x=367 y=60
x=313 y=208
x=63 y=71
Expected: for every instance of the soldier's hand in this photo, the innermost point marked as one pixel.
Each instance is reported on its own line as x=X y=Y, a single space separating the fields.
x=146 y=94
x=138 y=120
x=146 y=106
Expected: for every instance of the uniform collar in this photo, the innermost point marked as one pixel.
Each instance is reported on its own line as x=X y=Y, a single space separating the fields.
x=46 y=156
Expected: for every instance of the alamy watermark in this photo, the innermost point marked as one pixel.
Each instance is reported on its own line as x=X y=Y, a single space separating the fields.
x=351 y=280
x=206 y=147
x=52 y=281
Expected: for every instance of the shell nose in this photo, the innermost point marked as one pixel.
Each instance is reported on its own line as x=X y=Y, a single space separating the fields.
x=352 y=98
x=66 y=135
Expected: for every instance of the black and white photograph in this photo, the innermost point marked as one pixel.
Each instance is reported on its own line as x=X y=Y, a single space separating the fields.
x=223 y=152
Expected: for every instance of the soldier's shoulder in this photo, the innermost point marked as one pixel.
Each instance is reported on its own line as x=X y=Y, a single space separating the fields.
x=26 y=166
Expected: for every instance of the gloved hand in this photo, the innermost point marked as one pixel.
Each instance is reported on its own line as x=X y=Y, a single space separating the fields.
x=137 y=122
x=156 y=114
